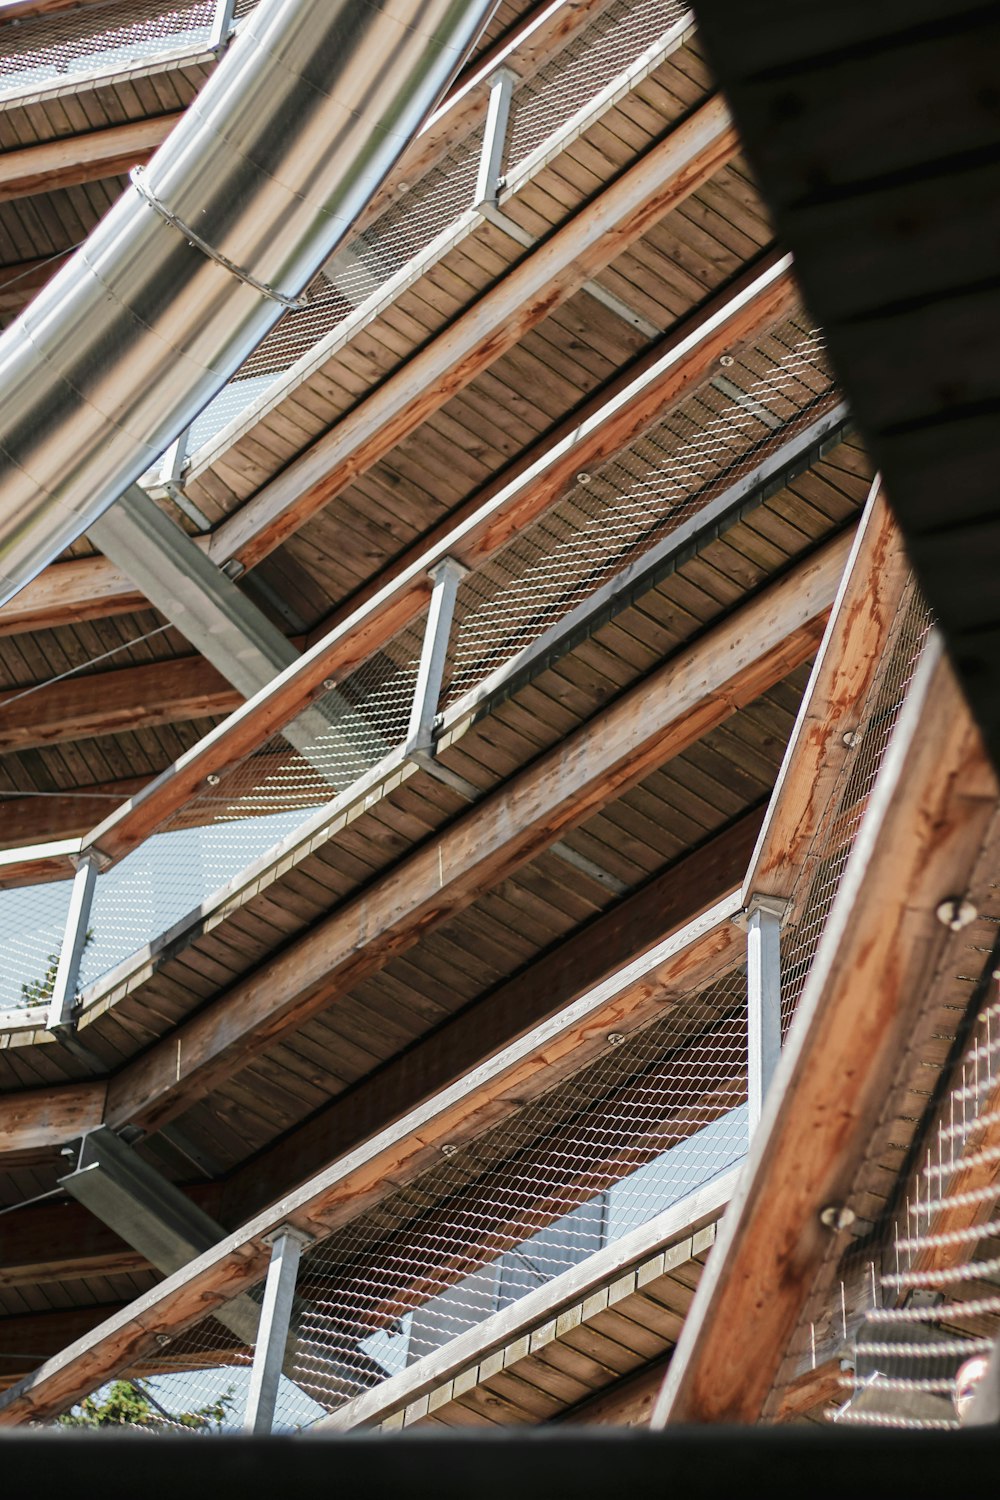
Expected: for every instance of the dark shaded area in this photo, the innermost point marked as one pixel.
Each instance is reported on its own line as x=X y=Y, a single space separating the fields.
x=874 y=132
x=537 y=1466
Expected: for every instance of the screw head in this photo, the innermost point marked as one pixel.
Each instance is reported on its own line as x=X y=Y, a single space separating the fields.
x=163 y=1339
x=449 y=1150
x=726 y=360
x=837 y=1216
x=956 y=912
x=615 y=1038
x=850 y=738
x=329 y=684
x=212 y=779
x=583 y=478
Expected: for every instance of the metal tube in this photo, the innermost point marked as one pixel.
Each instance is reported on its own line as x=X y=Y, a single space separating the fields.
x=74 y=941
x=309 y=109
x=446 y=576
x=763 y=920
x=272 y=1331
x=494 y=149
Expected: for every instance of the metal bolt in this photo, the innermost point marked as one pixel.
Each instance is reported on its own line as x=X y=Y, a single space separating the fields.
x=163 y=1339
x=583 y=478
x=402 y=187
x=726 y=360
x=212 y=779
x=449 y=1150
x=615 y=1038
x=956 y=912
x=850 y=738
x=837 y=1216
x=329 y=684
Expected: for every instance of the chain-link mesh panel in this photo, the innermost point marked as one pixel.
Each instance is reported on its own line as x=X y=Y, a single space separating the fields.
x=660 y=1113
x=195 y=1383
x=426 y=209
x=605 y=48
x=616 y=513
x=32 y=922
x=98 y=39
x=834 y=838
x=921 y=1352
x=246 y=808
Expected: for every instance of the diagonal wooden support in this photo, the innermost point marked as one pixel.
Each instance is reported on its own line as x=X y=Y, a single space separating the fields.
x=932 y=805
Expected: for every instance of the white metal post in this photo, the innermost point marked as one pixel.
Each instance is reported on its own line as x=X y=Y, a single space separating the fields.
x=446 y=576
x=491 y=161
x=74 y=941
x=763 y=919
x=222 y=25
x=272 y=1330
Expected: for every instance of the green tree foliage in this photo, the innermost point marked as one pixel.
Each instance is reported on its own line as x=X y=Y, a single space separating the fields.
x=128 y=1403
x=39 y=991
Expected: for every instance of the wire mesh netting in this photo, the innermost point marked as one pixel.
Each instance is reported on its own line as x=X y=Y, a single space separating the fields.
x=616 y=513
x=660 y=1113
x=922 y=1349
x=418 y=222
x=31 y=932
x=44 y=51
x=834 y=838
x=760 y=399
x=195 y=1382
x=244 y=811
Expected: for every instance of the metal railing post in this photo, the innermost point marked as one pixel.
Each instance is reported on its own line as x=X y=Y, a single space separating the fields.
x=762 y=922
x=446 y=577
x=74 y=941
x=491 y=161
x=272 y=1330
x=222 y=25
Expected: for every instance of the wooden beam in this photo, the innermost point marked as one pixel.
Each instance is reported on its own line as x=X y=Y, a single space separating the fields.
x=661 y=179
x=812 y=1391
x=81 y=158
x=860 y=623
x=162 y=692
x=369 y=625
x=42 y=1118
x=90 y=587
x=53 y=1241
x=932 y=805
x=670 y=901
x=733 y=664
x=358 y=1181
x=35 y=818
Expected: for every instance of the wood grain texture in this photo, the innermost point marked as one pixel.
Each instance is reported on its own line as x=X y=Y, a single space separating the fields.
x=920 y=838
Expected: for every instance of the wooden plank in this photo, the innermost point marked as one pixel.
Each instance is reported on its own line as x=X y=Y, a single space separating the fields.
x=931 y=807
x=848 y=660
x=91 y=704
x=660 y=717
x=628 y=1402
x=82 y=158
x=475 y=538
x=675 y=898
x=331 y=1199
x=662 y=178
x=480 y=1342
